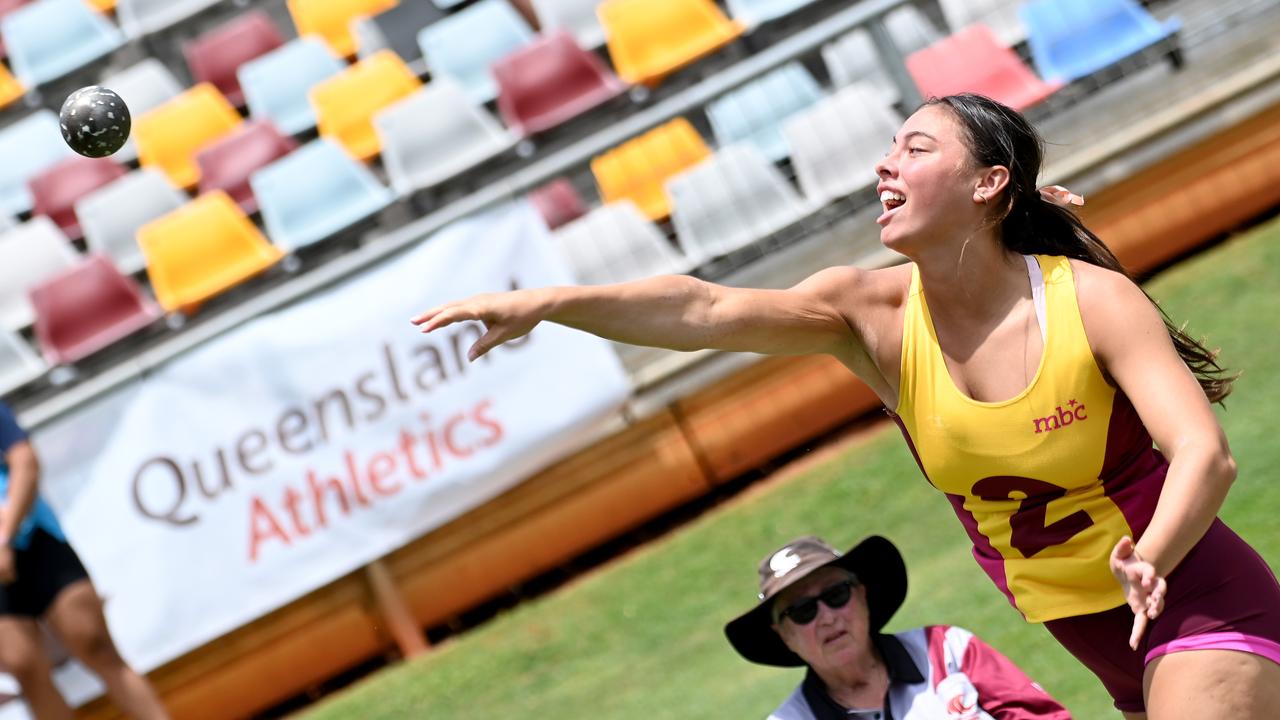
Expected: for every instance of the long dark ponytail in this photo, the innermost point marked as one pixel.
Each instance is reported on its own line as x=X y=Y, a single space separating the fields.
x=998 y=135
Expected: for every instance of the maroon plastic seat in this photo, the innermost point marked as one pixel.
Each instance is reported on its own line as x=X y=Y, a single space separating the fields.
x=558 y=203
x=227 y=163
x=6 y=7
x=550 y=81
x=216 y=55
x=55 y=191
x=87 y=308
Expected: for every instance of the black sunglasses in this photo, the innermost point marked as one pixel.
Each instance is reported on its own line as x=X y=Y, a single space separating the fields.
x=834 y=596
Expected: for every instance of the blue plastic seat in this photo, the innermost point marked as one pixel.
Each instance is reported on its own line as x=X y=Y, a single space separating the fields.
x=28 y=147
x=756 y=111
x=754 y=12
x=465 y=44
x=314 y=192
x=50 y=38
x=276 y=85
x=1071 y=39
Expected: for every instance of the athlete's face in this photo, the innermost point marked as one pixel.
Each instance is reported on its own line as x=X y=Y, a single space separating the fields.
x=836 y=637
x=930 y=187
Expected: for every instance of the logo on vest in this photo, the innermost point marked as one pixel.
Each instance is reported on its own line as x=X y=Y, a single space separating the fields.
x=1074 y=411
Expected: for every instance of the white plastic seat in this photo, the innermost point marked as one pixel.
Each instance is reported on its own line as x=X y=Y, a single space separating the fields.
x=28 y=147
x=436 y=133
x=463 y=45
x=314 y=192
x=111 y=215
x=30 y=253
x=577 y=16
x=145 y=85
x=142 y=17
x=756 y=111
x=19 y=364
x=49 y=38
x=853 y=57
x=999 y=15
x=755 y=12
x=275 y=85
x=836 y=144
x=729 y=201
x=616 y=243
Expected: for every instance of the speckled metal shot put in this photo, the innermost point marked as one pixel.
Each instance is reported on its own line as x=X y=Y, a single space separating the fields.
x=95 y=121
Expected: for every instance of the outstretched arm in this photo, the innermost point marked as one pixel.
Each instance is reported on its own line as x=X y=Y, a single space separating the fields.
x=677 y=312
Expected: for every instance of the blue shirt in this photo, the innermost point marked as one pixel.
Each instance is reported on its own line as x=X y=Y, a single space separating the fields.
x=41 y=515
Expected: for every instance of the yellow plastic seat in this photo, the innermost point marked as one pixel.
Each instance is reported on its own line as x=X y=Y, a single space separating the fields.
x=102 y=5
x=649 y=39
x=202 y=249
x=638 y=169
x=10 y=88
x=170 y=135
x=346 y=103
x=331 y=19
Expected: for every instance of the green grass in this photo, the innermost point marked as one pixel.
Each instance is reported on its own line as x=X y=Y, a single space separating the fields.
x=642 y=638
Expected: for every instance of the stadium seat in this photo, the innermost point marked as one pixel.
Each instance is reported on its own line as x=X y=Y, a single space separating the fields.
x=331 y=19
x=67 y=331
x=276 y=85
x=227 y=163
x=201 y=250
x=464 y=45
x=446 y=4
x=18 y=364
x=346 y=103
x=56 y=190
x=577 y=16
x=395 y=29
x=314 y=192
x=836 y=144
x=6 y=7
x=216 y=55
x=28 y=146
x=550 y=81
x=50 y=38
x=29 y=253
x=650 y=39
x=752 y=13
x=854 y=58
x=169 y=136
x=729 y=201
x=143 y=86
x=112 y=215
x=1070 y=40
x=143 y=17
x=973 y=61
x=435 y=134
x=6 y=222
x=755 y=112
x=10 y=88
x=558 y=203
x=615 y=243
x=637 y=169
x=103 y=6
x=999 y=15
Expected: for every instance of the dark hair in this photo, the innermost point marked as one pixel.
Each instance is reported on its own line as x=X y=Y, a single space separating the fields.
x=1029 y=224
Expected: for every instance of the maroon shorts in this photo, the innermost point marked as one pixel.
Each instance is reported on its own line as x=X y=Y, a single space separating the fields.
x=1222 y=596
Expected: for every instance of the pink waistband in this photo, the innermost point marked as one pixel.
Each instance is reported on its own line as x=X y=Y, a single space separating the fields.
x=1252 y=644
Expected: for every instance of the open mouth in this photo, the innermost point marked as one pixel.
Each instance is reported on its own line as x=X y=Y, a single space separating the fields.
x=891 y=201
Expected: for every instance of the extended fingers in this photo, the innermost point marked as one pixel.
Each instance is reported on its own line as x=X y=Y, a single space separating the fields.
x=1139 y=627
x=442 y=316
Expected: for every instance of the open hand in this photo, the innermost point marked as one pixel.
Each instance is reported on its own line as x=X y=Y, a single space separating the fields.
x=1144 y=590
x=506 y=316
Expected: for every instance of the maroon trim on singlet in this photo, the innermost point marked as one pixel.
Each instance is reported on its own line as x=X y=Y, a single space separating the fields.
x=911 y=445
x=1132 y=470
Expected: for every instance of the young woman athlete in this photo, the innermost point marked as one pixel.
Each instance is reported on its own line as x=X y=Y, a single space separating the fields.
x=1030 y=377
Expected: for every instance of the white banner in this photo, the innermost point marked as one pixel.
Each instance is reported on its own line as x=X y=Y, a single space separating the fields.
x=312 y=440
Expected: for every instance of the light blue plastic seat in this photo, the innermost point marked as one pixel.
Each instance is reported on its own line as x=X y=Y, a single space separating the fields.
x=49 y=38
x=446 y=4
x=142 y=17
x=314 y=192
x=464 y=45
x=27 y=147
x=754 y=12
x=755 y=112
x=1071 y=39
x=275 y=85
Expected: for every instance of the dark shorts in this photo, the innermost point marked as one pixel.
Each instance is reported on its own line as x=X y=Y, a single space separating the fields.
x=1222 y=596
x=44 y=569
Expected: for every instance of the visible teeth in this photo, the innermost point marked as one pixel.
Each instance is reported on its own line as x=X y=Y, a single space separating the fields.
x=888 y=195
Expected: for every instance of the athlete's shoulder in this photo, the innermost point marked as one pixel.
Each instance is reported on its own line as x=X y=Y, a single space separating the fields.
x=851 y=285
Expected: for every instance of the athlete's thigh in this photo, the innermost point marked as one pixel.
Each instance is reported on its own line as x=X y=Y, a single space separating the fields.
x=1212 y=683
x=21 y=646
